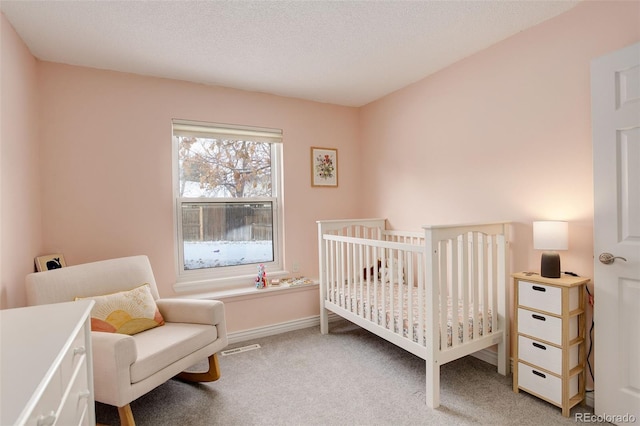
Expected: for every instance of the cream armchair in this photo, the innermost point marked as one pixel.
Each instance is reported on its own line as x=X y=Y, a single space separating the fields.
x=128 y=366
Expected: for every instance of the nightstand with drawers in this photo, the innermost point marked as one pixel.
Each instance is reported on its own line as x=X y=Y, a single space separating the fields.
x=549 y=351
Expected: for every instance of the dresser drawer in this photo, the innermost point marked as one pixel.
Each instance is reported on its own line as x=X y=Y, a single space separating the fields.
x=544 y=355
x=74 y=403
x=84 y=417
x=73 y=356
x=539 y=296
x=545 y=327
x=47 y=405
x=535 y=324
x=543 y=384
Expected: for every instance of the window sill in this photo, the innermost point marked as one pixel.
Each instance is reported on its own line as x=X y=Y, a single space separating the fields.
x=204 y=284
x=252 y=292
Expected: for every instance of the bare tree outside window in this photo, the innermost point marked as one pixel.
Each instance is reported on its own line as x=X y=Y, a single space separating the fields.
x=225 y=168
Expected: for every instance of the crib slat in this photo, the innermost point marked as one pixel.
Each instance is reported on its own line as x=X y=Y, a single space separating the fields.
x=451 y=294
x=345 y=274
x=401 y=289
x=339 y=272
x=374 y=274
x=331 y=270
x=367 y=261
x=385 y=272
x=347 y=281
x=466 y=276
x=454 y=265
x=353 y=291
x=422 y=299
x=486 y=284
x=352 y=282
x=341 y=276
x=443 y=277
x=477 y=281
x=473 y=274
x=500 y=323
x=409 y=276
x=334 y=271
x=383 y=288
x=494 y=284
x=337 y=268
x=359 y=277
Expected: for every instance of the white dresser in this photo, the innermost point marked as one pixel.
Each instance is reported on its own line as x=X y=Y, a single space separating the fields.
x=549 y=355
x=46 y=369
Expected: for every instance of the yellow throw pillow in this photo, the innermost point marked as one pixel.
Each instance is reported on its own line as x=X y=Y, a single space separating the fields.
x=125 y=312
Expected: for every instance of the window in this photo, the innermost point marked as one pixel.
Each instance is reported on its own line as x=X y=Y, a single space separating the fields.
x=228 y=203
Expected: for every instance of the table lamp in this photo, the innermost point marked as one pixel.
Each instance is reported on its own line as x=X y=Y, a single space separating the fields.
x=550 y=235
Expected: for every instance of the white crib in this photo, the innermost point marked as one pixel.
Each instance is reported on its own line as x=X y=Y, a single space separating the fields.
x=440 y=293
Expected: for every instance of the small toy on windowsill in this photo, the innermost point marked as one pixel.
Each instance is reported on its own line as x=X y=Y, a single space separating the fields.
x=291 y=281
x=261 y=279
x=299 y=281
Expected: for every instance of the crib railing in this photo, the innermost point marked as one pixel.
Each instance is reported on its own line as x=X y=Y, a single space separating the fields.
x=469 y=272
x=362 y=275
x=363 y=267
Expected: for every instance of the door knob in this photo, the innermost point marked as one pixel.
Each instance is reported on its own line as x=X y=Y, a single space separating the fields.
x=608 y=258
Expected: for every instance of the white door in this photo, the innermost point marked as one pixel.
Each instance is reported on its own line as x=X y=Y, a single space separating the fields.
x=615 y=106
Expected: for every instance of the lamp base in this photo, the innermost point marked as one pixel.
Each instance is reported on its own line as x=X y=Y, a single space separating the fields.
x=550 y=265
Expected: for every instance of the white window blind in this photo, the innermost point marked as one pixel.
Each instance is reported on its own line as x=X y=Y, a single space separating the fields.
x=225 y=131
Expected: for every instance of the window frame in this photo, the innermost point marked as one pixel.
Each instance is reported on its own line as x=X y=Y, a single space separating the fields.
x=237 y=276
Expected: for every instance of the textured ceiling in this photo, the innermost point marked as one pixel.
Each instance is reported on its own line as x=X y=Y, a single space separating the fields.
x=341 y=52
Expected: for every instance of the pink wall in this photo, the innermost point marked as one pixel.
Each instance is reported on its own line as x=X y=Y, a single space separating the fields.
x=107 y=171
x=20 y=218
x=504 y=134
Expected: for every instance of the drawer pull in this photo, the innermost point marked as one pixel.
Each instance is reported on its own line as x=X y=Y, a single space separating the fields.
x=81 y=350
x=537 y=373
x=539 y=346
x=46 y=420
x=538 y=288
x=84 y=394
x=538 y=317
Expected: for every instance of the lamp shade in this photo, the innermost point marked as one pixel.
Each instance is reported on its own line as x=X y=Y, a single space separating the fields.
x=550 y=235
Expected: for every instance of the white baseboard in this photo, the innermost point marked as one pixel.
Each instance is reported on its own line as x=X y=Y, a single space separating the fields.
x=487 y=356
x=589 y=400
x=273 y=329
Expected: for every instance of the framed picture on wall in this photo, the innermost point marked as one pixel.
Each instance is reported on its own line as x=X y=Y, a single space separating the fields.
x=324 y=167
x=49 y=262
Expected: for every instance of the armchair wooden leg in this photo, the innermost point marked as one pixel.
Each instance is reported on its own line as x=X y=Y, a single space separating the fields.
x=126 y=416
x=208 y=376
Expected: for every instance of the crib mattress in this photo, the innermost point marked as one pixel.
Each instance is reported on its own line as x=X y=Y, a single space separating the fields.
x=350 y=299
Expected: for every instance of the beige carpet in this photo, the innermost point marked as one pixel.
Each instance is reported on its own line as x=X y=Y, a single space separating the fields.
x=349 y=377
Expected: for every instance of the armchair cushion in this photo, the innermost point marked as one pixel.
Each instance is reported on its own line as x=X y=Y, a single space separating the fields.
x=125 y=312
x=165 y=345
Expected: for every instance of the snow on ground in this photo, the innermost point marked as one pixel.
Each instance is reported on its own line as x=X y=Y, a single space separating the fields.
x=208 y=254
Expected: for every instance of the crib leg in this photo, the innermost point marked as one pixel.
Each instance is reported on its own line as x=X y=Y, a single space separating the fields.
x=324 y=321
x=433 y=385
x=503 y=358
